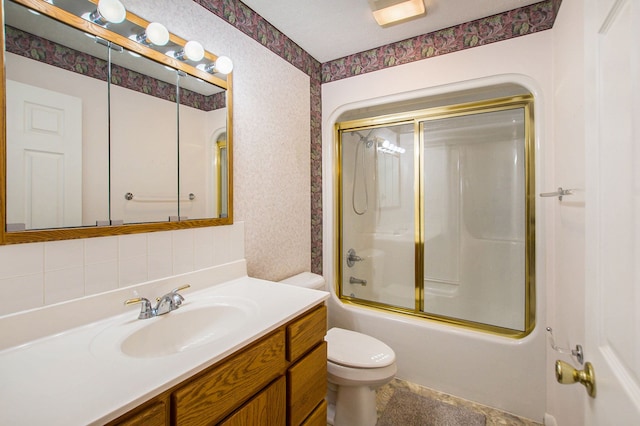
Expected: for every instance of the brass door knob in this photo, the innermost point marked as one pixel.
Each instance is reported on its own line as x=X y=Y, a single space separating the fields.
x=566 y=375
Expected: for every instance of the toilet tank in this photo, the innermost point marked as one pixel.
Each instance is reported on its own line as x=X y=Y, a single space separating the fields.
x=306 y=279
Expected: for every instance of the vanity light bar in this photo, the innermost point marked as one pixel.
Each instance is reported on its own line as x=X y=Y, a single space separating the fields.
x=156 y=34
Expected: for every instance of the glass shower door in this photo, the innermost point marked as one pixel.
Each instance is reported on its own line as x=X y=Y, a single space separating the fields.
x=436 y=214
x=474 y=217
x=378 y=215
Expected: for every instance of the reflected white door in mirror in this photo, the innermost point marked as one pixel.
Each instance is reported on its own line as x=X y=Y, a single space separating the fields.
x=44 y=158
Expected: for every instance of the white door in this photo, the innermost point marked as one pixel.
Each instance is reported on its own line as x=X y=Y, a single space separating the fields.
x=612 y=323
x=44 y=157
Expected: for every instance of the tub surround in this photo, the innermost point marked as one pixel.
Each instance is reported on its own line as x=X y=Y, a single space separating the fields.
x=57 y=370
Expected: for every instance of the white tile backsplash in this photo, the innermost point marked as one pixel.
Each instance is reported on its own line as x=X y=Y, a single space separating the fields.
x=132 y=270
x=183 y=251
x=63 y=284
x=27 y=292
x=100 y=250
x=160 y=255
x=160 y=244
x=221 y=241
x=38 y=274
x=132 y=245
x=63 y=254
x=236 y=241
x=100 y=277
x=203 y=248
x=21 y=259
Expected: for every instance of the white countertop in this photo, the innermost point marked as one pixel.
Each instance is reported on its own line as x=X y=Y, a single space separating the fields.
x=80 y=377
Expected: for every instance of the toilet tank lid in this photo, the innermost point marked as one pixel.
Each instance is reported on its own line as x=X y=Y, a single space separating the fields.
x=353 y=349
x=306 y=279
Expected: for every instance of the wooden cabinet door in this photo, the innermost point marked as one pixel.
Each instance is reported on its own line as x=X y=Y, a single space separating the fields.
x=307 y=381
x=268 y=408
x=215 y=394
x=318 y=417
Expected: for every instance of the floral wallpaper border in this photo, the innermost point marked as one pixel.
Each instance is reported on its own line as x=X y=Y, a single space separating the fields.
x=43 y=50
x=514 y=23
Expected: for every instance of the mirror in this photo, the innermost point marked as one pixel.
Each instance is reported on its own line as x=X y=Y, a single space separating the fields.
x=137 y=132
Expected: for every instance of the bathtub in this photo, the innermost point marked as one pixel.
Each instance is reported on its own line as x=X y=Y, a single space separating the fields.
x=497 y=371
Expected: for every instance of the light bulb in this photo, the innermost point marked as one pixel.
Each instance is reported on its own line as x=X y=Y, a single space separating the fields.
x=112 y=10
x=193 y=51
x=224 y=65
x=157 y=34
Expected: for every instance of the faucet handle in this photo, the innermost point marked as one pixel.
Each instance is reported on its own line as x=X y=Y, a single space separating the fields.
x=170 y=301
x=182 y=287
x=177 y=298
x=146 y=311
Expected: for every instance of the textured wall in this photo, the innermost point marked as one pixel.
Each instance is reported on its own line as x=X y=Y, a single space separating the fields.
x=271 y=138
x=271 y=186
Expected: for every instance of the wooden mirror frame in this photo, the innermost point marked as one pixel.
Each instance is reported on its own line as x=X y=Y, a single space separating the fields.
x=40 y=235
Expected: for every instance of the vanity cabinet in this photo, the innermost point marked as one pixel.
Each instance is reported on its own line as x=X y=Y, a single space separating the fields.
x=278 y=380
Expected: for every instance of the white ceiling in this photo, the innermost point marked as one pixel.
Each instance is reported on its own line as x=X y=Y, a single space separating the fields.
x=331 y=29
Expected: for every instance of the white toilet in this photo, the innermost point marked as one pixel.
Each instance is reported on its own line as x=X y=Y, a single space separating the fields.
x=357 y=365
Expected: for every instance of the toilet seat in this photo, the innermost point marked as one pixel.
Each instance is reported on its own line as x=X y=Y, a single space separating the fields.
x=356 y=350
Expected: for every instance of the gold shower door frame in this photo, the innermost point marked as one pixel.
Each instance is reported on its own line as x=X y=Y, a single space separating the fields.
x=418 y=119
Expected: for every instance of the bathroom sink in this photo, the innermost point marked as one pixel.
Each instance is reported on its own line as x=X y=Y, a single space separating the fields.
x=181 y=330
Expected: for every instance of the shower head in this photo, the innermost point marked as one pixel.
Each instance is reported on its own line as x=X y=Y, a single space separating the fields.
x=367 y=140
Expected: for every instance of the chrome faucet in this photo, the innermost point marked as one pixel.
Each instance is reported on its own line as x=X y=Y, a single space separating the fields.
x=354 y=280
x=146 y=311
x=167 y=303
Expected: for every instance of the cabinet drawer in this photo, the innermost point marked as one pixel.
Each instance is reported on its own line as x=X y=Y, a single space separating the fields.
x=268 y=408
x=318 y=417
x=307 y=383
x=305 y=333
x=213 y=395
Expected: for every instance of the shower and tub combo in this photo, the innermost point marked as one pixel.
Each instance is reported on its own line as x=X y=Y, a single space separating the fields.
x=435 y=215
x=434 y=224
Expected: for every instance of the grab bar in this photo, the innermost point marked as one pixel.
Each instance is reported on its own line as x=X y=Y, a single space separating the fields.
x=577 y=352
x=161 y=199
x=559 y=193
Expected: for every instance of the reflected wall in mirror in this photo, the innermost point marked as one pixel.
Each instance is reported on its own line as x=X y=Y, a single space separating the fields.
x=198 y=178
x=144 y=133
x=134 y=129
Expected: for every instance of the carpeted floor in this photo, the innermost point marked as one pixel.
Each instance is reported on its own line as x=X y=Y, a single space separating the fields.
x=410 y=409
x=447 y=409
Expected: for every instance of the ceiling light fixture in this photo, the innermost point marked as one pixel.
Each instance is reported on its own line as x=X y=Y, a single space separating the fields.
x=391 y=12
